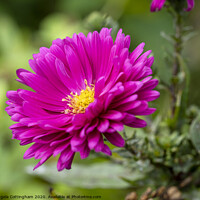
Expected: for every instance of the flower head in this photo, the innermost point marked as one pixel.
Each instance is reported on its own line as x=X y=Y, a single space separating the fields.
x=190 y=4
x=157 y=5
x=85 y=90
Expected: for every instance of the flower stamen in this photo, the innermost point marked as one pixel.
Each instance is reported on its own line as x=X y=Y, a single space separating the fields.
x=78 y=103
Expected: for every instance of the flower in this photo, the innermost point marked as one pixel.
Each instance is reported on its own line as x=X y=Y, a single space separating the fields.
x=190 y=4
x=157 y=5
x=86 y=89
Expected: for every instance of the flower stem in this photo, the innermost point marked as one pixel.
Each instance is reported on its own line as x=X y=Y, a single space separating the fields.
x=176 y=66
x=178 y=43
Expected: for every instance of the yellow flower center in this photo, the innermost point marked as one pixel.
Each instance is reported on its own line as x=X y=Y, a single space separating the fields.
x=78 y=103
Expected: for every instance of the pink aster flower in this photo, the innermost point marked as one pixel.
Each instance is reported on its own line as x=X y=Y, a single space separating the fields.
x=85 y=90
x=157 y=5
x=190 y=4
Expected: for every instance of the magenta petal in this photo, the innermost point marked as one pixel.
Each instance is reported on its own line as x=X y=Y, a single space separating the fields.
x=150 y=84
x=92 y=126
x=94 y=109
x=103 y=125
x=113 y=115
x=148 y=95
x=132 y=121
x=118 y=126
x=129 y=106
x=34 y=81
x=75 y=66
x=131 y=87
x=60 y=148
x=68 y=164
x=147 y=111
x=156 y=5
x=44 y=159
x=115 y=139
x=82 y=49
x=79 y=119
x=149 y=61
x=105 y=32
x=48 y=138
x=64 y=140
x=35 y=67
x=28 y=133
x=66 y=155
x=49 y=74
x=121 y=103
x=65 y=160
x=58 y=52
x=76 y=140
x=84 y=152
x=41 y=101
x=99 y=86
x=137 y=52
x=106 y=150
x=30 y=152
x=190 y=4
x=25 y=142
x=17 y=117
x=19 y=72
x=83 y=131
x=93 y=139
x=100 y=144
x=14 y=97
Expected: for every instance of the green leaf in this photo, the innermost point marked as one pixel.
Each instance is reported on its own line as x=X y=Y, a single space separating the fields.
x=195 y=133
x=167 y=37
x=190 y=36
x=98 y=175
x=123 y=153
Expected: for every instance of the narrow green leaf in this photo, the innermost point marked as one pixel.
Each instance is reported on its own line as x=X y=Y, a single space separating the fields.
x=167 y=37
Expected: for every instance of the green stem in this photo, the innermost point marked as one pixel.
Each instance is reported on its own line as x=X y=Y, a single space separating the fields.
x=184 y=92
x=178 y=43
x=176 y=66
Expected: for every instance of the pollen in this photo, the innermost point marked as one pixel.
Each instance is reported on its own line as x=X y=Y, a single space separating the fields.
x=78 y=103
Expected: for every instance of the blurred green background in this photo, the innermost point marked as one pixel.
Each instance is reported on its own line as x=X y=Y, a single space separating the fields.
x=26 y=25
